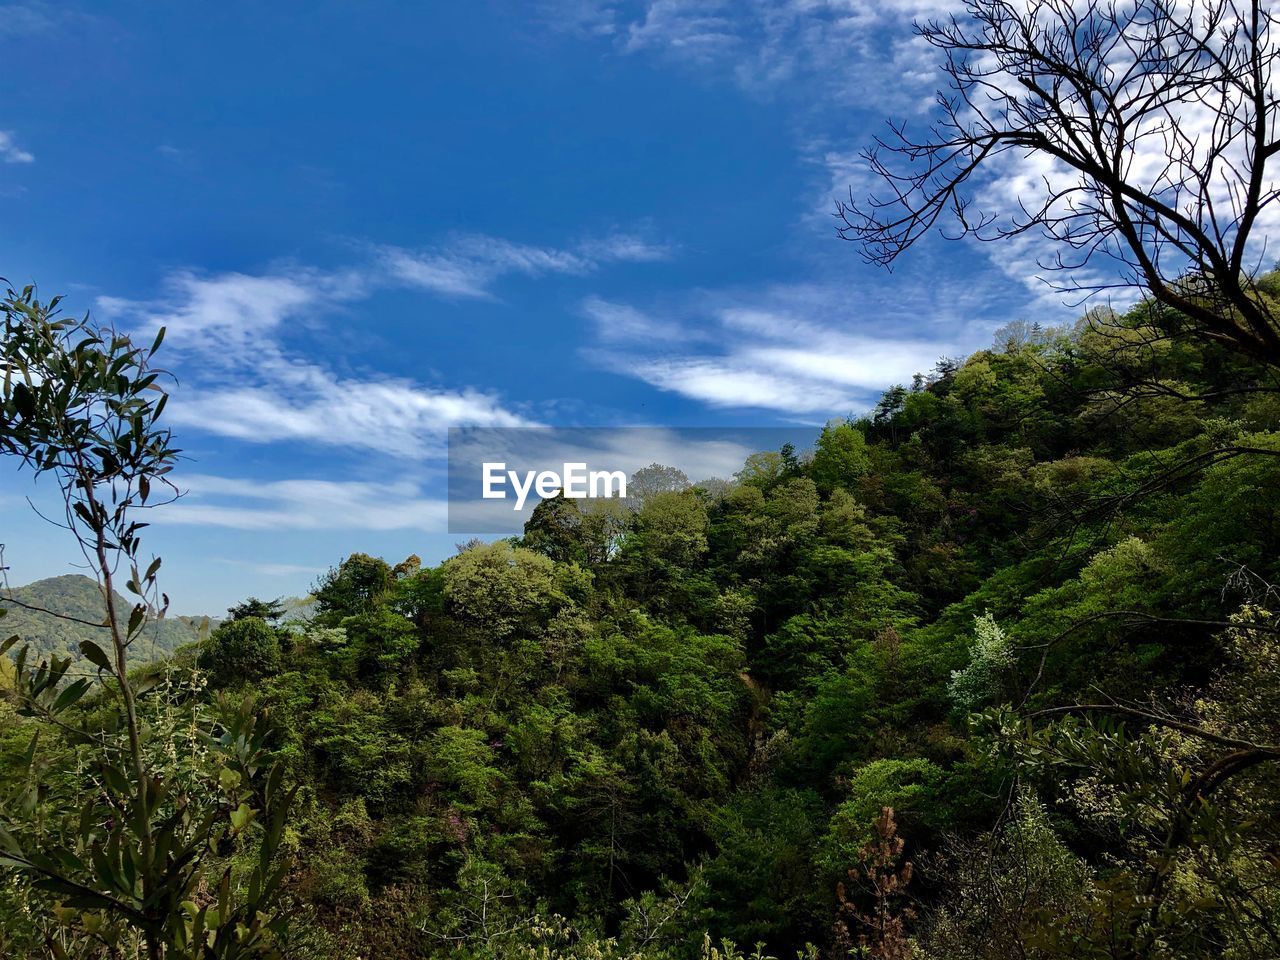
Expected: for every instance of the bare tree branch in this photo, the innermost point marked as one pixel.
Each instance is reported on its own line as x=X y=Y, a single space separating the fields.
x=1149 y=125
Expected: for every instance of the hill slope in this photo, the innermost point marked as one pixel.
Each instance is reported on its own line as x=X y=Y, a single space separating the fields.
x=78 y=596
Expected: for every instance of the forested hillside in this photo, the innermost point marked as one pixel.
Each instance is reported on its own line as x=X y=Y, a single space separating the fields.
x=990 y=672
x=57 y=614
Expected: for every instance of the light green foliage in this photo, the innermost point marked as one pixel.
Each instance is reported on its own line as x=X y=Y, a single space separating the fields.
x=462 y=759
x=841 y=458
x=654 y=479
x=671 y=526
x=1070 y=476
x=359 y=753
x=844 y=521
x=335 y=879
x=762 y=469
x=503 y=590
x=205 y=763
x=990 y=659
x=327 y=639
x=910 y=787
x=8 y=674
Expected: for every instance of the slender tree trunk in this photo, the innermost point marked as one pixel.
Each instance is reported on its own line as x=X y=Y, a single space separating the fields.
x=119 y=642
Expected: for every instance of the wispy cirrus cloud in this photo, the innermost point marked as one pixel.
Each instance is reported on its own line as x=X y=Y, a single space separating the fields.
x=10 y=152
x=228 y=338
x=29 y=19
x=582 y=18
x=468 y=266
x=789 y=349
x=239 y=504
x=306 y=403
x=844 y=48
x=698 y=31
x=240 y=381
x=623 y=323
x=273 y=569
x=235 y=317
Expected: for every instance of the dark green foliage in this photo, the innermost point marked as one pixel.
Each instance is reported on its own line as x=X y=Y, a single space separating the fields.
x=380 y=644
x=240 y=650
x=760 y=882
x=351 y=588
x=269 y=610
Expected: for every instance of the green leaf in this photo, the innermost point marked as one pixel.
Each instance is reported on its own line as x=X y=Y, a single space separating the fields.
x=9 y=843
x=23 y=401
x=29 y=756
x=115 y=779
x=241 y=817
x=95 y=654
x=146 y=684
x=70 y=695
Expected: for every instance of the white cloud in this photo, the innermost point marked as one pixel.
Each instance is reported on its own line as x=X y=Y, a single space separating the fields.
x=699 y=30
x=785 y=349
x=1191 y=154
x=626 y=248
x=382 y=414
x=273 y=569
x=39 y=17
x=621 y=322
x=856 y=56
x=233 y=317
x=239 y=381
x=10 y=152
x=845 y=48
x=584 y=18
x=28 y=19
x=469 y=265
x=440 y=274
x=278 y=505
x=735 y=381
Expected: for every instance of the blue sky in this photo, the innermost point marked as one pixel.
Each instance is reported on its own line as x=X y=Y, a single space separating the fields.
x=365 y=223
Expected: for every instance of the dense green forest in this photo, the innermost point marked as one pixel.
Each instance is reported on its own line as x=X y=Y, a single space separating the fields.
x=57 y=614
x=990 y=672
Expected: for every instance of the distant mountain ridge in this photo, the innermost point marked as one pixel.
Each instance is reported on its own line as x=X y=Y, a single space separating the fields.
x=75 y=595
